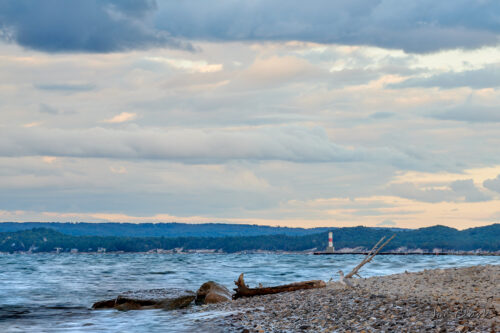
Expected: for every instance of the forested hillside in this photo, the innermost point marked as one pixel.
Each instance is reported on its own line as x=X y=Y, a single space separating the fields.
x=159 y=229
x=46 y=240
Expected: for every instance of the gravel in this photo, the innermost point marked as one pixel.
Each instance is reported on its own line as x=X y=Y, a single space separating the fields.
x=442 y=300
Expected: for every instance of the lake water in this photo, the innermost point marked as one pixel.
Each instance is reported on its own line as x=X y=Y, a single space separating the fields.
x=54 y=292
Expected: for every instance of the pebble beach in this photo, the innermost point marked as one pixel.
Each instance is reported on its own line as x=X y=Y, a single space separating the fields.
x=440 y=300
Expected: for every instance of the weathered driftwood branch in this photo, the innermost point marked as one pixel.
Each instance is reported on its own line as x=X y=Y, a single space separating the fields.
x=375 y=247
x=373 y=252
x=242 y=289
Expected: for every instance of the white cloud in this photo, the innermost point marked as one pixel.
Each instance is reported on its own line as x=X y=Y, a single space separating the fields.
x=32 y=124
x=121 y=118
x=49 y=159
x=200 y=66
x=118 y=170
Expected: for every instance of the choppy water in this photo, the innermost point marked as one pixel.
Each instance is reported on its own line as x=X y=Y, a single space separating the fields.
x=54 y=293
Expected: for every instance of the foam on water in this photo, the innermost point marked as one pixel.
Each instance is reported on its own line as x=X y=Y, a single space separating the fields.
x=53 y=293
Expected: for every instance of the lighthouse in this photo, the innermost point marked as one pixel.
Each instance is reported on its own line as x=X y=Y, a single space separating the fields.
x=330 y=247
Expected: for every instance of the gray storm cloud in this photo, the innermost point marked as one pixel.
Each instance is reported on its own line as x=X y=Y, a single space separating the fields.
x=82 y=25
x=412 y=25
x=105 y=26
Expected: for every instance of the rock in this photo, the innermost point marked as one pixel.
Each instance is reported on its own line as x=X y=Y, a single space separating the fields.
x=167 y=299
x=109 y=304
x=211 y=292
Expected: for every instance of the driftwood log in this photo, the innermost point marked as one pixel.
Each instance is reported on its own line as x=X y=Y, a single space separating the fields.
x=242 y=289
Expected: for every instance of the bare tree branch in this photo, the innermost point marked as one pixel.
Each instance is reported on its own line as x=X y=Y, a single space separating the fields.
x=373 y=252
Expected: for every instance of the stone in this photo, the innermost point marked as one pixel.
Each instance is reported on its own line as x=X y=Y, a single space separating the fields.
x=167 y=299
x=108 y=304
x=211 y=292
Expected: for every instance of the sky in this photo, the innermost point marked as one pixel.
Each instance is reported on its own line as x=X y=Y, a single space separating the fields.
x=278 y=112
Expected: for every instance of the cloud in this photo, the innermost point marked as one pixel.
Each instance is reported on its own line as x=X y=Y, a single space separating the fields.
x=49 y=159
x=275 y=71
x=109 y=26
x=456 y=191
x=389 y=223
x=82 y=25
x=32 y=124
x=228 y=143
x=44 y=108
x=200 y=66
x=413 y=25
x=493 y=184
x=470 y=113
x=118 y=170
x=121 y=118
x=259 y=192
x=65 y=87
x=288 y=143
x=469 y=191
x=488 y=77
x=48 y=109
x=382 y=115
x=411 y=191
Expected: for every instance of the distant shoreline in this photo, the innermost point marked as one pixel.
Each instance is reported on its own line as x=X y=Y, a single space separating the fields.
x=480 y=254
x=357 y=240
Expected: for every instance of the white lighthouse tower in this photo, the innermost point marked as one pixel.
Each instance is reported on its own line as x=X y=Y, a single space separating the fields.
x=330 y=247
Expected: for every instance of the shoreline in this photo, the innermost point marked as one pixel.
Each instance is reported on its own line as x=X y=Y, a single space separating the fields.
x=168 y=252
x=440 y=300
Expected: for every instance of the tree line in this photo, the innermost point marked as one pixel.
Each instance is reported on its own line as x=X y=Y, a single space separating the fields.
x=445 y=238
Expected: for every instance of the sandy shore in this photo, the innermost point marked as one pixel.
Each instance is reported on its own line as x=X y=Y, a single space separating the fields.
x=442 y=300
